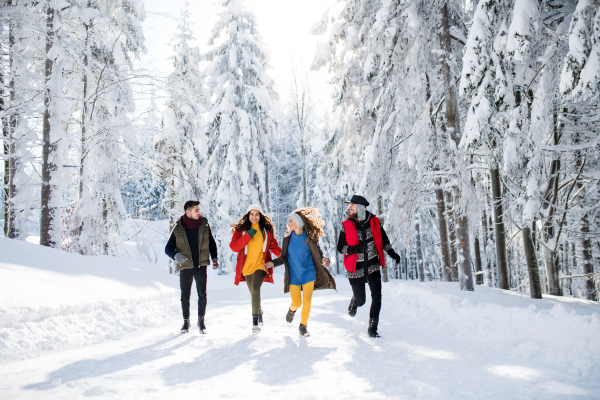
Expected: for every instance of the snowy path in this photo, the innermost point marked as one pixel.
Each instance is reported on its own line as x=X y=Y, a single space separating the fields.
x=419 y=356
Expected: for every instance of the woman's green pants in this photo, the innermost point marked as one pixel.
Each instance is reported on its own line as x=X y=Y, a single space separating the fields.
x=254 y=282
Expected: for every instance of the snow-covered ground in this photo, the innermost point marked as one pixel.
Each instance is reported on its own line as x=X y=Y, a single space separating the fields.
x=74 y=326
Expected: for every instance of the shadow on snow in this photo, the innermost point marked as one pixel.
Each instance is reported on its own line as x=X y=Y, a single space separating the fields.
x=273 y=367
x=94 y=368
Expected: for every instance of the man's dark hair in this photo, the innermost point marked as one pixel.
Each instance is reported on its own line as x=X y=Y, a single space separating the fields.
x=190 y=204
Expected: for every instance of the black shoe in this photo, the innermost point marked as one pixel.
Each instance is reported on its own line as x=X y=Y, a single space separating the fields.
x=255 y=326
x=303 y=331
x=373 y=327
x=201 y=325
x=352 y=307
x=260 y=320
x=186 y=326
x=290 y=315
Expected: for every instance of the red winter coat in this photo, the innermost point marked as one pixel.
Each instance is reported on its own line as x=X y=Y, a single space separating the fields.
x=239 y=243
x=352 y=240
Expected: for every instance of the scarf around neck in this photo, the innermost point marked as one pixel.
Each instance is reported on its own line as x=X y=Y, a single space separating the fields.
x=189 y=223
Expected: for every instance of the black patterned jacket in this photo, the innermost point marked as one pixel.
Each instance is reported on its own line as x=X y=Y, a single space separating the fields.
x=368 y=258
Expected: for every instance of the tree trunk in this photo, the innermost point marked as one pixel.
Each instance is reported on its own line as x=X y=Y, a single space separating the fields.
x=105 y=245
x=420 y=268
x=6 y=152
x=384 y=271
x=477 y=247
x=444 y=245
x=486 y=236
x=304 y=195
x=566 y=282
x=11 y=229
x=267 y=186
x=573 y=265
x=552 y=269
x=478 y=269
x=465 y=274
x=535 y=287
x=499 y=230
x=85 y=117
x=588 y=266
x=451 y=238
x=584 y=229
x=49 y=210
x=405 y=265
x=439 y=195
x=550 y=199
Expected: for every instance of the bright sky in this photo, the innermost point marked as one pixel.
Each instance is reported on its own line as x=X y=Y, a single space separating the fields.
x=283 y=24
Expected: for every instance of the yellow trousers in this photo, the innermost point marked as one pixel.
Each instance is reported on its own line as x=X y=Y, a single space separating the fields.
x=302 y=301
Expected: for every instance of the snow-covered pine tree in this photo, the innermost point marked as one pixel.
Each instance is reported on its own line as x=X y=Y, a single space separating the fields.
x=580 y=87
x=486 y=80
x=181 y=146
x=112 y=35
x=343 y=54
x=523 y=161
x=142 y=187
x=241 y=121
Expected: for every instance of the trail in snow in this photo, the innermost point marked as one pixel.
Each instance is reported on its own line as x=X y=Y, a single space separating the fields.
x=438 y=343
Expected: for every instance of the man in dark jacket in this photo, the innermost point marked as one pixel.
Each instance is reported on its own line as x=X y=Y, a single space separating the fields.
x=190 y=244
x=362 y=241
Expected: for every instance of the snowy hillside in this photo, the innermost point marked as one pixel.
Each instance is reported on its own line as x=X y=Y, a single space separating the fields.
x=52 y=299
x=74 y=326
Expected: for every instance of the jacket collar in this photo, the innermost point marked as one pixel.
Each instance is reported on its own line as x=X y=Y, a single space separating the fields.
x=368 y=219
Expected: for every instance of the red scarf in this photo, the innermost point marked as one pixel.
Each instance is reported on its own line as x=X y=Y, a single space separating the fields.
x=189 y=223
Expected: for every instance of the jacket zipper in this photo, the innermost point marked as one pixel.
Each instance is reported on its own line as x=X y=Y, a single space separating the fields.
x=364 y=236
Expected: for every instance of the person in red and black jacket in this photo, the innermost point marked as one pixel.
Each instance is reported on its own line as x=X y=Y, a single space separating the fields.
x=362 y=242
x=254 y=241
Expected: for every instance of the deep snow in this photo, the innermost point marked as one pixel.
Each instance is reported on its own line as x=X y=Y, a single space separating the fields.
x=74 y=326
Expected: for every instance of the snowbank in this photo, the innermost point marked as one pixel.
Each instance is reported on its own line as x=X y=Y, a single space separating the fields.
x=51 y=299
x=563 y=332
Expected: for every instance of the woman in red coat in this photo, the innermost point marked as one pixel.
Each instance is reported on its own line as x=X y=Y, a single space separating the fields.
x=254 y=241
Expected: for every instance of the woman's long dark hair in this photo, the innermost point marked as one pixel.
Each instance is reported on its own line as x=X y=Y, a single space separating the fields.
x=313 y=223
x=264 y=222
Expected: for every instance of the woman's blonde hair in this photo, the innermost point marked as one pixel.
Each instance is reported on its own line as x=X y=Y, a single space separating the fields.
x=313 y=223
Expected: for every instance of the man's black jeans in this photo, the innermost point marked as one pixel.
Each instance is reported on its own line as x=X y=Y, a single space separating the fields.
x=360 y=295
x=186 y=280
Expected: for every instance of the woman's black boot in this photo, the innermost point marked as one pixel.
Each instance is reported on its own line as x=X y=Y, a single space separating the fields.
x=373 y=327
x=201 y=325
x=352 y=307
x=290 y=316
x=303 y=331
x=255 y=326
x=186 y=326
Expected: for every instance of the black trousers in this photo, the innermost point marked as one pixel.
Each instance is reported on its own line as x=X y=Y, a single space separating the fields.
x=360 y=295
x=186 y=280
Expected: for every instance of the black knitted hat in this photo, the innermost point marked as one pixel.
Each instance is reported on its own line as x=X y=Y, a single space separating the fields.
x=358 y=200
